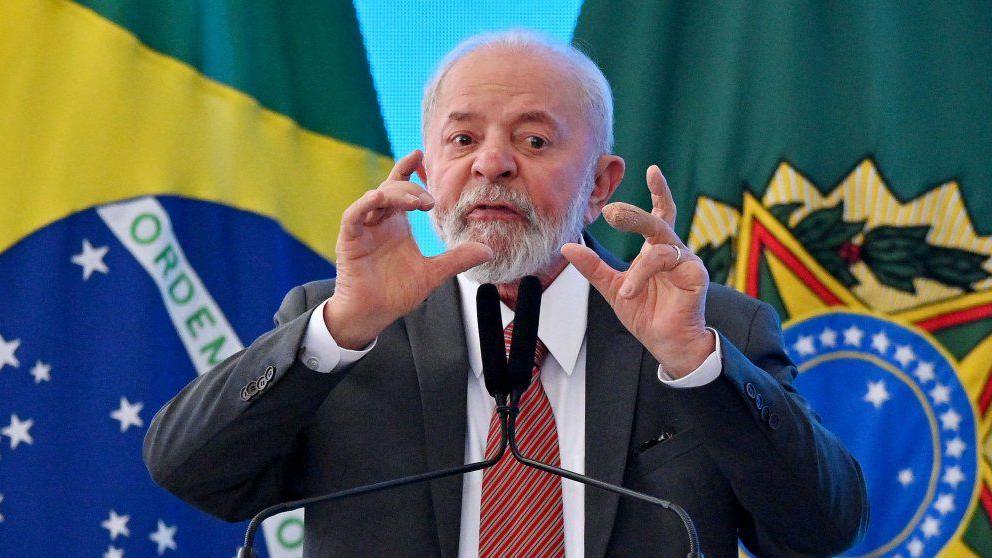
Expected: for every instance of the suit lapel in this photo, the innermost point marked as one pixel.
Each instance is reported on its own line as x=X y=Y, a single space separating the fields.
x=613 y=362
x=437 y=340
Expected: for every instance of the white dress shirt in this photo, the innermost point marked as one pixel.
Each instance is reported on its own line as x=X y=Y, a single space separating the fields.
x=562 y=328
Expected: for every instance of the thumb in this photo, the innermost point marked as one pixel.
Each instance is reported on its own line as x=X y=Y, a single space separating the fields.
x=592 y=267
x=460 y=258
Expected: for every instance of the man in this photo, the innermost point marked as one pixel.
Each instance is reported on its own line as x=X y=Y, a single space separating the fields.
x=654 y=379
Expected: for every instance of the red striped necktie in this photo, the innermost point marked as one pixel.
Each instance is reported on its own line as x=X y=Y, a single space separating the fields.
x=521 y=513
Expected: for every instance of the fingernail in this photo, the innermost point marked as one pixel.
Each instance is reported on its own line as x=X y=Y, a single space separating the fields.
x=626 y=290
x=426 y=198
x=413 y=198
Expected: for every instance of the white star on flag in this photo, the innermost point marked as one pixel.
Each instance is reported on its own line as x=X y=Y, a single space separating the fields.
x=127 y=414
x=915 y=547
x=853 y=335
x=930 y=527
x=904 y=355
x=906 y=477
x=877 y=394
x=944 y=504
x=164 y=537
x=91 y=259
x=880 y=342
x=42 y=372
x=956 y=447
x=804 y=346
x=18 y=431
x=940 y=394
x=924 y=371
x=113 y=552
x=828 y=338
x=950 y=419
x=117 y=525
x=953 y=476
x=7 y=352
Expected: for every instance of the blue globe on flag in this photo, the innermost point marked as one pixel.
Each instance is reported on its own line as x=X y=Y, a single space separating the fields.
x=114 y=309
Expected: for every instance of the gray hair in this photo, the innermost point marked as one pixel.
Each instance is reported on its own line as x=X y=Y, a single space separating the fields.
x=594 y=90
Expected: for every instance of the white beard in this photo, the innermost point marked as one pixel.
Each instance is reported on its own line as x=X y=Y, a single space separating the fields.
x=521 y=248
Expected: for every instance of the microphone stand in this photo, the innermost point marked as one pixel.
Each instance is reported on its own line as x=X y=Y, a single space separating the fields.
x=506 y=384
x=247 y=551
x=509 y=414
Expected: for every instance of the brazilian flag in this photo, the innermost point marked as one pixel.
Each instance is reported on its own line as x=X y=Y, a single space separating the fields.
x=833 y=160
x=168 y=170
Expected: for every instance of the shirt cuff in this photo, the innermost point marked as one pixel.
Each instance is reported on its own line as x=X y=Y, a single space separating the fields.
x=320 y=353
x=708 y=371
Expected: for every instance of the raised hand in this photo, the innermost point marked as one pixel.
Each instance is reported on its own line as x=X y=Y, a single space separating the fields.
x=661 y=298
x=381 y=274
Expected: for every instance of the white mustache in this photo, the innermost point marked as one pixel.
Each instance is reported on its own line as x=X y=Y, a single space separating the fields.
x=495 y=193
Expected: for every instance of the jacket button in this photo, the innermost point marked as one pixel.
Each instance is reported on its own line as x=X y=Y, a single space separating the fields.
x=270 y=371
x=263 y=382
x=759 y=402
x=750 y=390
x=244 y=394
x=766 y=412
x=774 y=421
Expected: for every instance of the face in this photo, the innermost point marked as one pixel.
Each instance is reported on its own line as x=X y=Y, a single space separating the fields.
x=511 y=161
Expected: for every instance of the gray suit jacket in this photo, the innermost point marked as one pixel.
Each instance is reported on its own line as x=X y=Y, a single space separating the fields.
x=748 y=457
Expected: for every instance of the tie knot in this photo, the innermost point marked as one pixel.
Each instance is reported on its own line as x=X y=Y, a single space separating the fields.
x=540 y=351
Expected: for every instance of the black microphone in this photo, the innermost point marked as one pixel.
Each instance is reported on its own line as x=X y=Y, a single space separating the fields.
x=524 y=342
x=491 y=343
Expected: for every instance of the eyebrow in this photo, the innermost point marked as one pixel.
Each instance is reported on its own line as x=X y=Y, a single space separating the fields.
x=538 y=116
x=455 y=116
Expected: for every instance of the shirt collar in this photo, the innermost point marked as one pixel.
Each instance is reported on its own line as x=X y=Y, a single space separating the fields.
x=562 y=328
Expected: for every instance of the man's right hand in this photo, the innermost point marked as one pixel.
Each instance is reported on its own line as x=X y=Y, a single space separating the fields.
x=381 y=274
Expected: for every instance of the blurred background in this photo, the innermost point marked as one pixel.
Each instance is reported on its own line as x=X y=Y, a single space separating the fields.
x=170 y=169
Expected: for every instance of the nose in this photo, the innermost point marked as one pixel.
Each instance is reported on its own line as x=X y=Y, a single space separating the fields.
x=494 y=163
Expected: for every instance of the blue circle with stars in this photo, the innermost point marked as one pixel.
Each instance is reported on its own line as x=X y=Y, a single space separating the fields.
x=895 y=401
x=89 y=353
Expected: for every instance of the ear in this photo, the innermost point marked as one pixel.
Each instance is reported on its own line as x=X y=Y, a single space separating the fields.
x=609 y=173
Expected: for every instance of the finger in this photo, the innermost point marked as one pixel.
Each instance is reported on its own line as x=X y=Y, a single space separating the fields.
x=408 y=188
x=630 y=218
x=394 y=201
x=592 y=267
x=661 y=195
x=353 y=218
x=657 y=259
x=463 y=257
x=405 y=167
x=372 y=208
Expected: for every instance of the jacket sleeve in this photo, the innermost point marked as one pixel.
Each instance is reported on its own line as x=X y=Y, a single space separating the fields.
x=226 y=442
x=803 y=492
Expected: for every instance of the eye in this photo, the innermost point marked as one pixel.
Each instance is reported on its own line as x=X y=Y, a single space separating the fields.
x=462 y=140
x=537 y=142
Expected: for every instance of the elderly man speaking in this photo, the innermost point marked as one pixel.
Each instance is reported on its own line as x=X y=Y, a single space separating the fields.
x=653 y=378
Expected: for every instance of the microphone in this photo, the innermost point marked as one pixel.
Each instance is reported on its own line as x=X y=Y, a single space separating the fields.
x=524 y=342
x=491 y=343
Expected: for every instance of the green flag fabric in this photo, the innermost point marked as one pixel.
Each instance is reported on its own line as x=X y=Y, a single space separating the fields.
x=833 y=159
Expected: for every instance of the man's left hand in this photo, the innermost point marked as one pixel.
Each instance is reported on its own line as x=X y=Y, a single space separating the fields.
x=661 y=298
